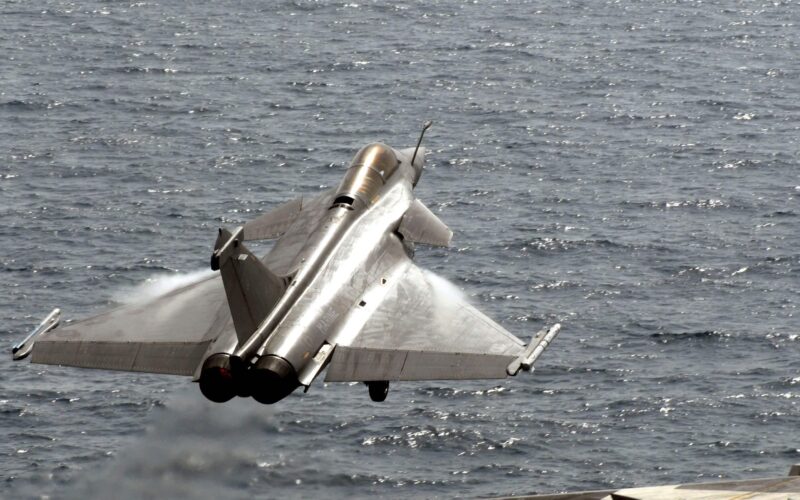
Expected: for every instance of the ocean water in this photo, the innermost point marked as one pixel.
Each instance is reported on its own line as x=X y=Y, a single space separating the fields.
x=626 y=168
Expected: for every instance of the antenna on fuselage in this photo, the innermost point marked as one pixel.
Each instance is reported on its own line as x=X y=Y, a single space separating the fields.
x=425 y=127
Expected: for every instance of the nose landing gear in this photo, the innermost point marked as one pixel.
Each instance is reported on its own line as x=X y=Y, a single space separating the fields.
x=378 y=390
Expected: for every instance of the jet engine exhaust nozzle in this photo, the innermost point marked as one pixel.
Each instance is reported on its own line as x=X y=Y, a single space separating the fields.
x=271 y=379
x=217 y=382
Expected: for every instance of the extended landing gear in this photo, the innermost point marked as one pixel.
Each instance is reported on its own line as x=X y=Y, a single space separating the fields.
x=378 y=390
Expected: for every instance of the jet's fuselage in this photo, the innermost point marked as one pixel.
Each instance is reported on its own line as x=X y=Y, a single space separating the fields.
x=349 y=256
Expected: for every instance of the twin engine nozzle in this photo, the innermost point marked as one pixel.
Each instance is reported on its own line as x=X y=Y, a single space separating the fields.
x=268 y=380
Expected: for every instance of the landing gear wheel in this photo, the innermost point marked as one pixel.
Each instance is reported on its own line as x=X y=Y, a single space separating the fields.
x=378 y=390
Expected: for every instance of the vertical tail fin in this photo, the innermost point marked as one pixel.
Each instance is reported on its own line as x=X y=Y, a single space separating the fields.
x=251 y=288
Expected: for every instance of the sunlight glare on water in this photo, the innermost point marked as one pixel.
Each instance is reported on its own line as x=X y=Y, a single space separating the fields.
x=627 y=169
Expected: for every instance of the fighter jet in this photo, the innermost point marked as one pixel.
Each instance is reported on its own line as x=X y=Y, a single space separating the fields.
x=338 y=291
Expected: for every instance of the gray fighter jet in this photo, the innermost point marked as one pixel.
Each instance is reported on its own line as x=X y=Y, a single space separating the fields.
x=338 y=290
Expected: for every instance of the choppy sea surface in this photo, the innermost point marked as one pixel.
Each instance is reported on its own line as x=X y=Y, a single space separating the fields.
x=629 y=169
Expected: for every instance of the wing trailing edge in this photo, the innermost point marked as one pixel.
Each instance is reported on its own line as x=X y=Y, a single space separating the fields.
x=364 y=365
x=171 y=358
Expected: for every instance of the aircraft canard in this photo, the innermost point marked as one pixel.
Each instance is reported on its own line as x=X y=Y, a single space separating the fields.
x=338 y=292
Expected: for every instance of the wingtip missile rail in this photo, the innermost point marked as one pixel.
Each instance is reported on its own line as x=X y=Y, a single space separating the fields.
x=22 y=349
x=534 y=350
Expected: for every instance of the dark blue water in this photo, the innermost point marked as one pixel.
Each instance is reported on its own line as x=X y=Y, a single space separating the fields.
x=629 y=169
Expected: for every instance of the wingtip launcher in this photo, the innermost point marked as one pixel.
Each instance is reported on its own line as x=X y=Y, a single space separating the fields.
x=24 y=348
x=539 y=343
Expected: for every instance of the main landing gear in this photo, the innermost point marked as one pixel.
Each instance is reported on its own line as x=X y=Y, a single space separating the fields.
x=378 y=390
